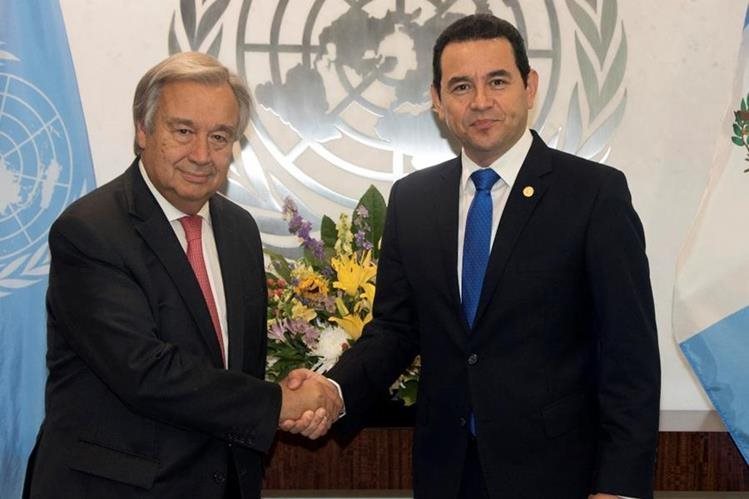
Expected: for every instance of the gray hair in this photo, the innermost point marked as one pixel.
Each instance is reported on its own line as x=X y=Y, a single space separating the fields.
x=186 y=66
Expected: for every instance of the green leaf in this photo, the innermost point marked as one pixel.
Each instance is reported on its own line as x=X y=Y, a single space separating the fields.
x=328 y=231
x=407 y=392
x=376 y=207
x=737 y=130
x=316 y=263
x=743 y=103
x=279 y=264
x=289 y=355
x=736 y=140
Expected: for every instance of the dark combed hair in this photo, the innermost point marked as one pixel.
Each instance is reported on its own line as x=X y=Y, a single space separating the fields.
x=480 y=27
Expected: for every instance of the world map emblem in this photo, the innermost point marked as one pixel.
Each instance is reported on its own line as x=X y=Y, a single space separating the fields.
x=341 y=89
x=36 y=178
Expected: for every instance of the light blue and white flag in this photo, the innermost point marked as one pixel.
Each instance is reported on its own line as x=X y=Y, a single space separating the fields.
x=45 y=164
x=711 y=296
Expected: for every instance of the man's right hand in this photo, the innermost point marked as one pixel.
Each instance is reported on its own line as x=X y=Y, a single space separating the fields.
x=310 y=403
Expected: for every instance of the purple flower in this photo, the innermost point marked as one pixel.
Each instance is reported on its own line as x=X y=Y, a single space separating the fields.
x=289 y=208
x=308 y=332
x=315 y=246
x=301 y=228
x=296 y=327
x=361 y=240
x=276 y=330
x=362 y=211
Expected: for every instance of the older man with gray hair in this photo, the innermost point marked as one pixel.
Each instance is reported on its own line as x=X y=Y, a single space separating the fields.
x=157 y=315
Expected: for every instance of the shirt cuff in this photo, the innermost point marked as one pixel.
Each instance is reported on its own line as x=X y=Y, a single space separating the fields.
x=340 y=394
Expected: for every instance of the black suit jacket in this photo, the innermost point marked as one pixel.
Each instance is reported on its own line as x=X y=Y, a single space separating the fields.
x=137 y=401
x=561 y=369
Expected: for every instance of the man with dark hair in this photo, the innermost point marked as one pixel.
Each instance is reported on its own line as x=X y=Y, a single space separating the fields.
x=157 y=315
x=519 y=275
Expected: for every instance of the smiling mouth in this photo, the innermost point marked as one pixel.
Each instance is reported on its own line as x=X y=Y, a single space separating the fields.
x=483 y=124
x=196 y=178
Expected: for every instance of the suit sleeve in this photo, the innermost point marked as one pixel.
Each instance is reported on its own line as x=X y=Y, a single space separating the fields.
x=628 y=366
x=99 y=309
x=389 y=342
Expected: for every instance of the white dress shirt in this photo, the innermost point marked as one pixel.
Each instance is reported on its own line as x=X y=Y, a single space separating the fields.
x=210 y=253
x=507 y=167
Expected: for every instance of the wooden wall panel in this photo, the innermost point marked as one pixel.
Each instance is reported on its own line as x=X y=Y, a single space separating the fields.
x=380 y=458
x=700 y=461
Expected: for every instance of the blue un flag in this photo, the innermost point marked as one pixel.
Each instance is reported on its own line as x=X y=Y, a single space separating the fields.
x=45 y=164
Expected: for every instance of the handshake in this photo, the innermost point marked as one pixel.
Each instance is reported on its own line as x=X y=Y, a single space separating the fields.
x=310 y=403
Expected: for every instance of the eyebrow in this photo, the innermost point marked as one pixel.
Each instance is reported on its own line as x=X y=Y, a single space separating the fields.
x=189 y=123
x=180 y=121
x=462 y=78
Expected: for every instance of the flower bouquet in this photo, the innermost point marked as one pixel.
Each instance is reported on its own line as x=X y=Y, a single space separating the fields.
x=318 y=304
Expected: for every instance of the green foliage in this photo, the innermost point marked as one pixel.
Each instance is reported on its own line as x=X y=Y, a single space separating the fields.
x=375 y=205
x=407 y=391
x=279 y=264
x=290 y=354
x=741 y=124
x=328 y=232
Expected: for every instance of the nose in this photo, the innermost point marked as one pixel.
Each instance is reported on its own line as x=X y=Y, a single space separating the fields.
x=199 y=154
x=481 y=98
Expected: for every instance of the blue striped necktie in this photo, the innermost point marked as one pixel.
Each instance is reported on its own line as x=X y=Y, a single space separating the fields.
x=476 y=243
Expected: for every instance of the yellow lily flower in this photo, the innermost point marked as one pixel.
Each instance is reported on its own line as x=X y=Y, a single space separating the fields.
x=300 y=311
x=353 y=274
x=368 y=295
x=352 y=324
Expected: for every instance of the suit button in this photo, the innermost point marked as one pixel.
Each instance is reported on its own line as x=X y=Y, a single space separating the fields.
x=219 y=478
x=472 y=359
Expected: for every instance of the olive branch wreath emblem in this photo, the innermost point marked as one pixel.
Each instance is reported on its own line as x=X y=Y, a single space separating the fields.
x=601 y=76
x=741 y=127
x=28 y=268
x=24 y=271
x=199 y=31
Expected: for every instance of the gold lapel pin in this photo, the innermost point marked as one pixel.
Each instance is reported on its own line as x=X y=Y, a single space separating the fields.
x=528 y=191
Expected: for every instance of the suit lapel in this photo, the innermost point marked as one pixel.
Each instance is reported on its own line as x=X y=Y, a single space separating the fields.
x=445 y=198
x=520 y=205
x=230 y=256
x=154 y=228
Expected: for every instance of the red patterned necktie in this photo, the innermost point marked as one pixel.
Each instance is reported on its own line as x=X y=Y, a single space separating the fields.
x=193 y=226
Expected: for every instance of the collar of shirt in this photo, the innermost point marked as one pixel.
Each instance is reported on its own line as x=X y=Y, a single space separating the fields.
x=172 y=213
x=210 y=252
x=507 y=166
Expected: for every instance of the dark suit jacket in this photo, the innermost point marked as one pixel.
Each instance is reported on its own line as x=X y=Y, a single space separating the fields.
x=561 y=369
x=137 y=401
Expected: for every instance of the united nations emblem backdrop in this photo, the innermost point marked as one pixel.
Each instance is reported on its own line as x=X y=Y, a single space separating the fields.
x=342 y=102
x=342 y=88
